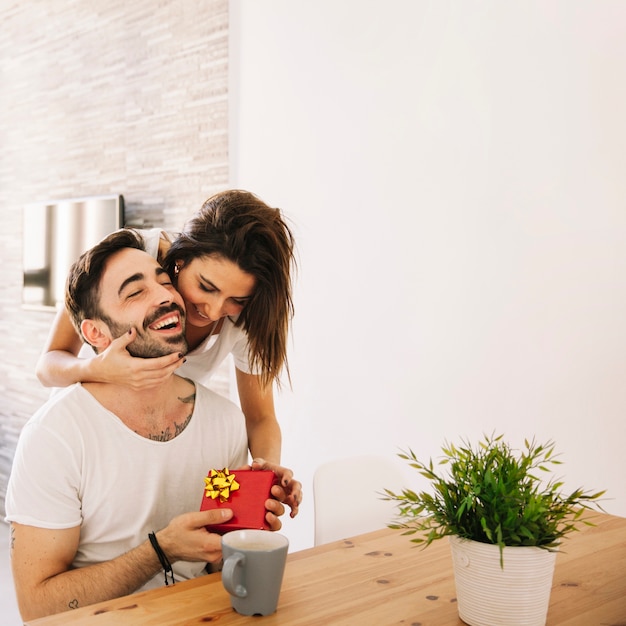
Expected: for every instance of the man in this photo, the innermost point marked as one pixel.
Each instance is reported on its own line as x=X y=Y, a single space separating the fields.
x=100 y=466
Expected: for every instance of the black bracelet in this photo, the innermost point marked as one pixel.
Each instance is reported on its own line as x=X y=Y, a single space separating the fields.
x=165 y=564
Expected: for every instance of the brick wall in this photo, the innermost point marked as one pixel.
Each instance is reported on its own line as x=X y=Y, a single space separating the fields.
x=101 y=97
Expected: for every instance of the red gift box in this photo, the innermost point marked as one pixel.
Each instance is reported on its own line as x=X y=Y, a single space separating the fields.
x=243 y=491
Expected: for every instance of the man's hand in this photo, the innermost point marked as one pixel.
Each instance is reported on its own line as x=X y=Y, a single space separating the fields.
x=186 y=538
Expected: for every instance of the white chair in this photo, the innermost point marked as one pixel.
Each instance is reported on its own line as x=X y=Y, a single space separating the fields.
x=347 y=496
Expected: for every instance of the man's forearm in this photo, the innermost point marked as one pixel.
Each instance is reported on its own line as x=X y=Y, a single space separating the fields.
x=95 y=583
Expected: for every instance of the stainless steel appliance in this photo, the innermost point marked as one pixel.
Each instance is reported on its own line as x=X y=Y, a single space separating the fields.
x=56 y=233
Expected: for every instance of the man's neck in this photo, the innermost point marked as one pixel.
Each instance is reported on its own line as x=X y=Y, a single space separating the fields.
x=159 y=413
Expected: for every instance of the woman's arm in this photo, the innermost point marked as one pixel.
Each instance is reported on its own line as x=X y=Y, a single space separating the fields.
x=264 y=437
x=59 y=365
x=257 y=404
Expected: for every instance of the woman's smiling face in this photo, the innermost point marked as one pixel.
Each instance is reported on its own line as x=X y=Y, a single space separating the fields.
x=213 y=287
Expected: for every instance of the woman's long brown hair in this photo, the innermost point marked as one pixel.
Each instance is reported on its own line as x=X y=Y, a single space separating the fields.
x=238 y=226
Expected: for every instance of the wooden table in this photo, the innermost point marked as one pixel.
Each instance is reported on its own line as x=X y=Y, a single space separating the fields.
x=377 y=579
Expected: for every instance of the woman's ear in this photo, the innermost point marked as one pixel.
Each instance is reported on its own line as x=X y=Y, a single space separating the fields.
x=96 y=334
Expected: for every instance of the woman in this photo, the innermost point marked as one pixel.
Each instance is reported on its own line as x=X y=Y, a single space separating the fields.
x=233 y=265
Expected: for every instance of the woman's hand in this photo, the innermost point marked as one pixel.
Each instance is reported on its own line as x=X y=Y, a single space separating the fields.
x=288 y=491
x=116 y=365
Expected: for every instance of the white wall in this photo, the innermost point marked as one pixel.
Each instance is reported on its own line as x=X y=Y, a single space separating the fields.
x=455 y=175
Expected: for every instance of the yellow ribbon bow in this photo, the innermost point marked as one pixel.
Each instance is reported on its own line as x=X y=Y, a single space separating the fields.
x=220 y=483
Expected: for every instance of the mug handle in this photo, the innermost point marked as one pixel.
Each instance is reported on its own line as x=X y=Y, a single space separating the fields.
x=228 y=574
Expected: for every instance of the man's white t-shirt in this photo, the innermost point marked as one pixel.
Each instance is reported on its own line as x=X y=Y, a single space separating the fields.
x=76 y=463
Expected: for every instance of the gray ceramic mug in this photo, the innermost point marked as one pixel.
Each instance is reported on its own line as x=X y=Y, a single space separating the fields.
x=254 y=563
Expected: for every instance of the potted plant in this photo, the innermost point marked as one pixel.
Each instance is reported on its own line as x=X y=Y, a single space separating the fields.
x=489 y=498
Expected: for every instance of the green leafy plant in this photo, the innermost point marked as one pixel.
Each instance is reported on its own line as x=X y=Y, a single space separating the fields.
x=492 y=494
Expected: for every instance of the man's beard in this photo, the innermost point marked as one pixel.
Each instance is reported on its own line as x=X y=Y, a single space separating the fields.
x=145 y=345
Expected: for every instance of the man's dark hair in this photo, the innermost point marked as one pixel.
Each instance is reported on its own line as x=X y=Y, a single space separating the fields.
x=83 y=282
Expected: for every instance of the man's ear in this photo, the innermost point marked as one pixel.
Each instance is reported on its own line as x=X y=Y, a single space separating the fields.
x=96 y=333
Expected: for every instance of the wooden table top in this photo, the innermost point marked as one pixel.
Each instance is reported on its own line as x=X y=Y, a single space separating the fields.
x=380 y=579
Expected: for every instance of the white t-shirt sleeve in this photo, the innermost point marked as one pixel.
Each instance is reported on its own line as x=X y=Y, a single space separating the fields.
x=42 y=491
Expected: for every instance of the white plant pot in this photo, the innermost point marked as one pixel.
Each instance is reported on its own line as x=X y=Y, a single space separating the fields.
x=488 y=595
